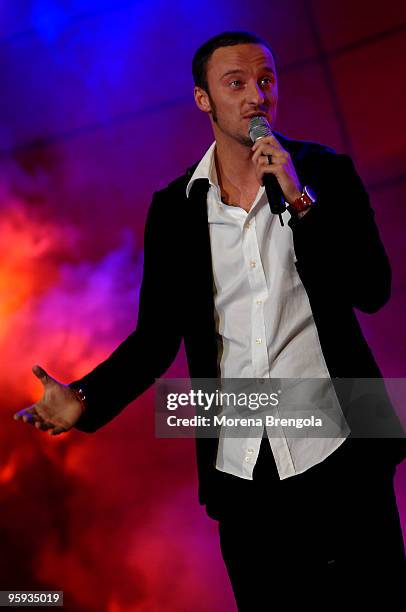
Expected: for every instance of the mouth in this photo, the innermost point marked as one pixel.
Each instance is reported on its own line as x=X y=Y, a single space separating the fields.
x=257 y=114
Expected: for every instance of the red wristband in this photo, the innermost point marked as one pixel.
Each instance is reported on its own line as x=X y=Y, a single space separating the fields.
x=306 y=199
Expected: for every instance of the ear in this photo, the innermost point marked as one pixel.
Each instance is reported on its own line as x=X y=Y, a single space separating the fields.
x=202 y=99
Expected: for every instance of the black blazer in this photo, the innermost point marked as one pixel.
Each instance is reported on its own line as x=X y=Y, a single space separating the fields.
x=340 y=260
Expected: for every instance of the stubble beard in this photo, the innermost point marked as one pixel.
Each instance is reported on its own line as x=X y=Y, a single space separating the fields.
x=240 y=138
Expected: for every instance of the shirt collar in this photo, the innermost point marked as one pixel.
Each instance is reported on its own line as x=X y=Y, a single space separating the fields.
x=205 y=169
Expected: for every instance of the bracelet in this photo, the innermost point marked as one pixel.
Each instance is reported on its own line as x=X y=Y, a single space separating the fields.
x=80 y=395
x=306 y=199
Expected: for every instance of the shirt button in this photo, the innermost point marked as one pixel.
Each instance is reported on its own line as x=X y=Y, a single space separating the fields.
x=247 y=459
x=250 y=450
x=259 y=301
x=258 y=340
x=253 y=264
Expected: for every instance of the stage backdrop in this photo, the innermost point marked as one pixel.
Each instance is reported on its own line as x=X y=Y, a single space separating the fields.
x=97 y=112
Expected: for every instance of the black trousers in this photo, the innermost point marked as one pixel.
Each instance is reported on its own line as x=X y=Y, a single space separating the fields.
x=327 y=537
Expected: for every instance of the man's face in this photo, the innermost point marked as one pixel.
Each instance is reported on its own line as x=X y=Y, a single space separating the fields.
x=242 y=83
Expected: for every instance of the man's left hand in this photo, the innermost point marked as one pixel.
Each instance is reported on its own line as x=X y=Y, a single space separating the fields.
x=282 y=166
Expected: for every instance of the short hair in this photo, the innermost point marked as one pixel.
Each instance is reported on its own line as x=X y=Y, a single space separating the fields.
x=225 y=39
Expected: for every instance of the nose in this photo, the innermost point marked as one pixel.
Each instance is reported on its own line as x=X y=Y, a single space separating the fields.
x=255 y=94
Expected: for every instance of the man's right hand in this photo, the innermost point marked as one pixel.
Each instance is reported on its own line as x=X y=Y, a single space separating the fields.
x=58 y=409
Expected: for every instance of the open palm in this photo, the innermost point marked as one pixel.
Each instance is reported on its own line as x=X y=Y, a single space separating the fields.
x=58 y=409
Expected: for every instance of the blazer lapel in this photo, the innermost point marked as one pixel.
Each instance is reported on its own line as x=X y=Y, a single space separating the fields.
x=200 y=329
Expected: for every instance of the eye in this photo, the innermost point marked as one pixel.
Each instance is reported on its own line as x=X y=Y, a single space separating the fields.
x=266 y=81
x=235 y=83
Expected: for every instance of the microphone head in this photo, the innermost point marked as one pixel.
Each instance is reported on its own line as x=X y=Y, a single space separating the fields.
x=259 y=127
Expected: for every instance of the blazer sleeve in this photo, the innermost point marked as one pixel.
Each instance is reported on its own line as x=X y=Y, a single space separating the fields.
x=149 y=350
x=337 y=243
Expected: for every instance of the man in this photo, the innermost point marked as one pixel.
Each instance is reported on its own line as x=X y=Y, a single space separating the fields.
x=252 y=298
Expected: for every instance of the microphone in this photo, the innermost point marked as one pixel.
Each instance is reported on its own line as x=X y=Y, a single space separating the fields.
x=258 y=128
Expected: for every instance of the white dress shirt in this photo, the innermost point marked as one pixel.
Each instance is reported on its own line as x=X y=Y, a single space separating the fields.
x=264 y=321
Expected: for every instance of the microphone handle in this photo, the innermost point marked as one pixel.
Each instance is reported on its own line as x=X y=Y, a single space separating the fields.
x=274 y=194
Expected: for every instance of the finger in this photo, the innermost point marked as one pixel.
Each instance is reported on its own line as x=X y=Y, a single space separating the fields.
x=275 y=169
x=265 y=162
x=266 y=168
x=24 y=412
x=31 y=419
x=269 y=151
x=275 y=159
x=267 y=141
x=40 y=373
x=264 y=142
x=264 y=149
x=56 y=431
x=44 y=425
